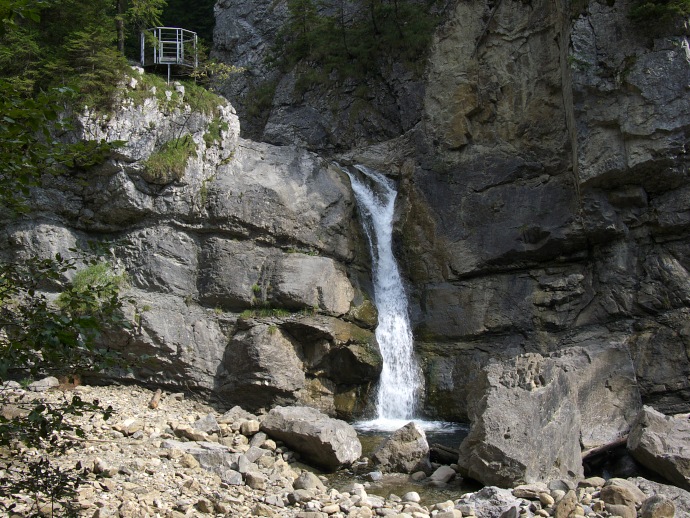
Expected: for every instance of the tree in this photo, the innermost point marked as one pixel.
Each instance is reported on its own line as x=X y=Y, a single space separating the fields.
x=138 y=14
x=37 y=336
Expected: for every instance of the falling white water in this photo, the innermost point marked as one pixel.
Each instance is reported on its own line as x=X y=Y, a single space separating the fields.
x=401 y=380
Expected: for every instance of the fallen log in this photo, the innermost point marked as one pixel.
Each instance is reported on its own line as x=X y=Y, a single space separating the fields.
x=443 y=454
x=155 y=400
x=604 y=448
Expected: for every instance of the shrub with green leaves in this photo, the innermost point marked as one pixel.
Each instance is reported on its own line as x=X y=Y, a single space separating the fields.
x=91 y=288
x=657 y=17
x=169 y=162
x=400 y=30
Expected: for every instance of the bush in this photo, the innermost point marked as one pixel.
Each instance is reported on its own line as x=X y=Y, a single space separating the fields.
x=658 y=17
x=168 y=163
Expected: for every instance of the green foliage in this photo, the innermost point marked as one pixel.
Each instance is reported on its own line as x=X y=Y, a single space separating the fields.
x=72 y=44
x=200 y=99
x=37 y=336
x=386 y=29
x=657 y=17
x=30 y=148
x=169 y=162
x=215 y=128
x=91 y=288
x=259 y=101
x=265 y=313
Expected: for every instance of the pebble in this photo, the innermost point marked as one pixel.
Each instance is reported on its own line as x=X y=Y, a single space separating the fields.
x=133 y=471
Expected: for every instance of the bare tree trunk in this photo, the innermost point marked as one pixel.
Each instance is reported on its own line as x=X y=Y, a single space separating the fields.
x=120 y=25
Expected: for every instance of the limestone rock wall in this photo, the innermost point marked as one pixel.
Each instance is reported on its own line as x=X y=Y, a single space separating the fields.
x=548 y=205
x=543 y=176
x=229 y=267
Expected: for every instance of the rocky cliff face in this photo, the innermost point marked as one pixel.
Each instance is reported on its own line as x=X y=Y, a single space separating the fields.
x=544 y=200
x=242 y=270
x=543 y=216
x=553 y=177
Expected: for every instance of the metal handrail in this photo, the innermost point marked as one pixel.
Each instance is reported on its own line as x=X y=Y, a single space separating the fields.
x=169 y=46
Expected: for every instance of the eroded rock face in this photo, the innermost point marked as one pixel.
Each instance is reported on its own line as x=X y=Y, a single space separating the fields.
x=321 y=114
x=547 y=205
x=247 y=227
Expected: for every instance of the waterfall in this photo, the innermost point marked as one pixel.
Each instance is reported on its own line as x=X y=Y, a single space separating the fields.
x=401 y=380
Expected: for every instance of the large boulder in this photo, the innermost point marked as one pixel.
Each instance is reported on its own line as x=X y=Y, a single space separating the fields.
x=317 y=361
x=325 y=442
x=406 y=451
x=660 y=443
x=525 y=424
x=608 y=397
x=531 y=414
x=679 y=497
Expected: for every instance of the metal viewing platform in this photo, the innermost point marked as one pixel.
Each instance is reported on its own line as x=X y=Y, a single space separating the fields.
x=171 y=46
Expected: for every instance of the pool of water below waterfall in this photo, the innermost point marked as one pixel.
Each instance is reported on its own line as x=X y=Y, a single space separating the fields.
x=373 y=433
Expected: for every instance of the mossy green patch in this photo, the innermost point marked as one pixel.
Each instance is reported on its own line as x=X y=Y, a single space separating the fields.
x=168 y=163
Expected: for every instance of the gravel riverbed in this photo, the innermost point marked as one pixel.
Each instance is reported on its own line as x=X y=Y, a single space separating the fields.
x=184 y=458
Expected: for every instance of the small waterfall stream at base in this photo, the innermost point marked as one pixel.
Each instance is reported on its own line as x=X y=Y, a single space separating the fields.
x=401 y=382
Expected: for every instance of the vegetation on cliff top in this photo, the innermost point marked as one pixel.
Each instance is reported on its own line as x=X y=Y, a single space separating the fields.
x=330 y=38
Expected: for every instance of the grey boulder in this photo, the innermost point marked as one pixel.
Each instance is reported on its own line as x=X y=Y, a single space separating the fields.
x=525 y=424
x=659 y=442
x=325 y=442
x=406 y=451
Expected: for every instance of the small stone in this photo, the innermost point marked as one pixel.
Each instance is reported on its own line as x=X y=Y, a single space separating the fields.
x=263 y=510
x=308 y=480
x=621 y=510
x=232 y=477
x=258 y=439
x=249 y=428
x=186 y=431
x=557 y=494
x=411 y=496
x=300 y=495
x=597 y=482
x=636 y=493
x=255 y=480
x=546 y=499
x=443 y=506
x=205 y=506
x=529 y=491
x=275 y=500
x=331 y=509
x=451 y=513
x=44 y=384
x=188 y=461
x=374 y=476
x=442 y=475
x=207 y=424
x=657 y=507
x=617 y=495
x=566 y=505
x=418 y=476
